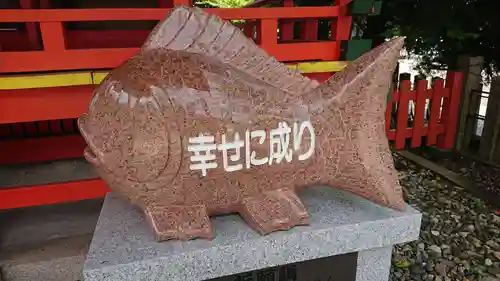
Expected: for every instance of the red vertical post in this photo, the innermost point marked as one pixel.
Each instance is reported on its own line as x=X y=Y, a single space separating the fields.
x=248 y=29
x=286 y=24
x=418 y=120
x=31 y=27
x=268 y=33
x=451 y=104
x=37 y=126
x=437 y=96
x=53 y=36
x=309 y=30
x=402 y=115
x=388 y=112
x=445 y=110
x=341 y=28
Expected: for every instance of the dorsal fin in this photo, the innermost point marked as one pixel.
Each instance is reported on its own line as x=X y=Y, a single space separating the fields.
x=194 y=30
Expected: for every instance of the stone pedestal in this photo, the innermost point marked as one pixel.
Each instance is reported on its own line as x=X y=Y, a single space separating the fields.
x=349 y=238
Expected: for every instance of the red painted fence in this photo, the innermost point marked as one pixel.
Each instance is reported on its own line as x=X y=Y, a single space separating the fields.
x=434 y=113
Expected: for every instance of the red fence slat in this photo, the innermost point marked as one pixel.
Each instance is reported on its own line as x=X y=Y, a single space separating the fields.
x=402 y=117
x=43 y=127
x=286 y=26
x=437 y=97
x=451 y=107
x=388 y=113
x=418 y=121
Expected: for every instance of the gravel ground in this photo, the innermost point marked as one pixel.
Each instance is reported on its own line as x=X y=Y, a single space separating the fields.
x=460 y=235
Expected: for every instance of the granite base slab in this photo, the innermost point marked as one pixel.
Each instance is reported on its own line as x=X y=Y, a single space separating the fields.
x=124 y=248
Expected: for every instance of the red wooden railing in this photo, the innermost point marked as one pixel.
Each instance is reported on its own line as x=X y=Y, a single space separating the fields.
x=440 y=128
x=56 y=55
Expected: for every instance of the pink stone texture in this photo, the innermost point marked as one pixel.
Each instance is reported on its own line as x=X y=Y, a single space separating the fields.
x=202 y=122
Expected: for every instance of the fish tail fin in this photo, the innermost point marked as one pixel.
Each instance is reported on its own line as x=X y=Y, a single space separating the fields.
x=354 y=103
x=194 y=30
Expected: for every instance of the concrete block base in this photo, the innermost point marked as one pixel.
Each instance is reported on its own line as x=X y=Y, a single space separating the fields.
x=355 y=234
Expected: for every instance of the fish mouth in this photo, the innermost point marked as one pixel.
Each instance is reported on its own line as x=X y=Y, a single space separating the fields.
x=90 y=156
x=88 y=152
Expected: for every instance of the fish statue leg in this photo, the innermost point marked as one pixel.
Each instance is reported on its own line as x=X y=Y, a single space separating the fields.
x=274 y=210
x=179 y=222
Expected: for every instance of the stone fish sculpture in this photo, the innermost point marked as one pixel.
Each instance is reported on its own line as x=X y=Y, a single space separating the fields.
x=203 y=122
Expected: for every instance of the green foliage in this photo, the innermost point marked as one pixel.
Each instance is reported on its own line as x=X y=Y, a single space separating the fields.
x=223 y=3
x=404 y=263
x=478 y=204
x=438 y=32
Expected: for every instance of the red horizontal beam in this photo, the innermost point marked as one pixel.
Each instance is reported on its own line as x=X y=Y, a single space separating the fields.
x=12 y=62
x=41 y=149
x=68 y=15
x=412 y=95
x=391 y=134
x=64 y=60
x=28 y=105
x=29 y=196
x=327 y=51
x=87 y=39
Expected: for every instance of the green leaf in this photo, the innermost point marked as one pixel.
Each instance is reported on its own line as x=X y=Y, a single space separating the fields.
x=402 y=264
x=224 y=3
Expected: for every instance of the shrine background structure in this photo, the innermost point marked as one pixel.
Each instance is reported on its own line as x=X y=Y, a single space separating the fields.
x=53 y=54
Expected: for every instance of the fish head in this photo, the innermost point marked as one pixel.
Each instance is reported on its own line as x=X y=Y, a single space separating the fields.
x=129 y=139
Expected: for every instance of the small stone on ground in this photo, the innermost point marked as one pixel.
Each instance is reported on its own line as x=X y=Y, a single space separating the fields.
x=460 y=235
